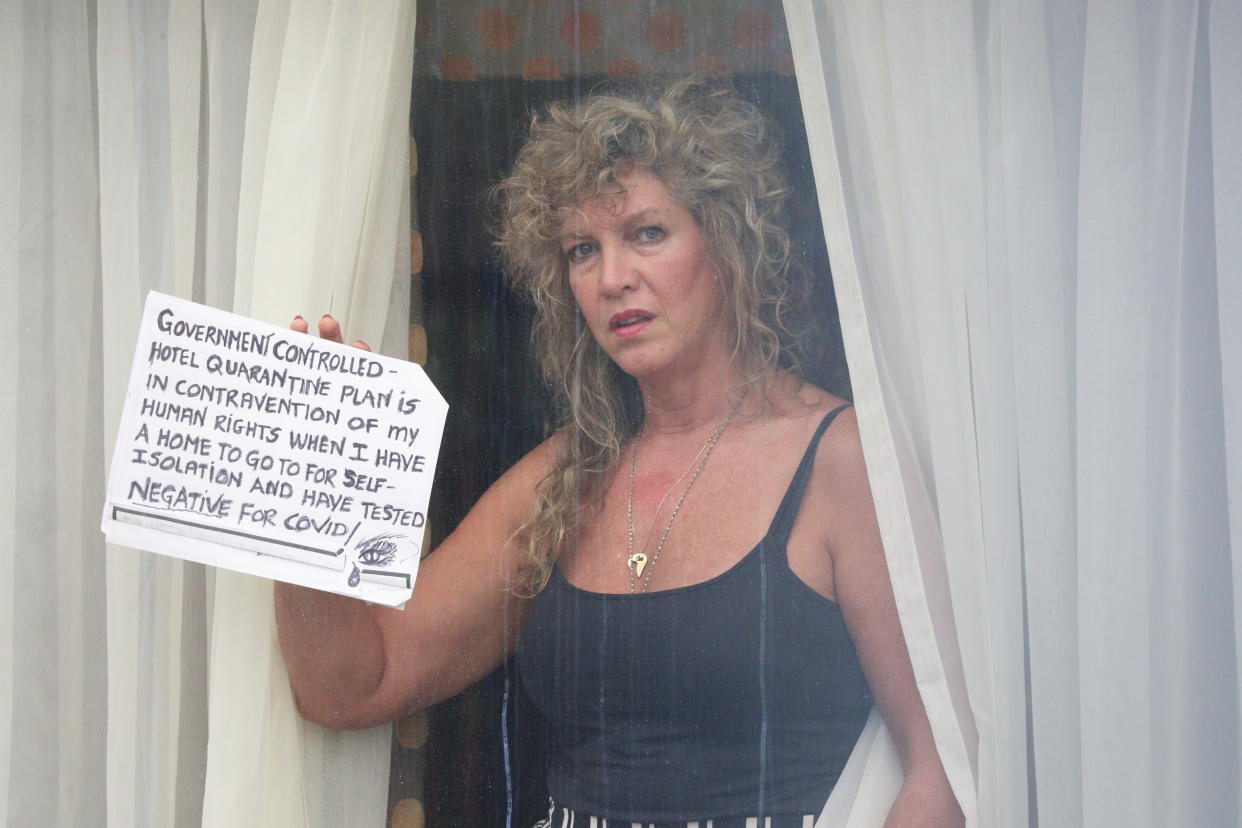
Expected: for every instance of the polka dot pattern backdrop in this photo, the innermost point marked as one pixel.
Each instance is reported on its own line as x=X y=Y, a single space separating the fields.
x=552 y=39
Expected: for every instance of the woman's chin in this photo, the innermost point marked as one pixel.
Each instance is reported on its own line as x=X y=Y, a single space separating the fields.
x=640 y=366
x=648 y=362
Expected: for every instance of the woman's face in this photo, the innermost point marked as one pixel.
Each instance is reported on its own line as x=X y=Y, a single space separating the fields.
x=640 y=272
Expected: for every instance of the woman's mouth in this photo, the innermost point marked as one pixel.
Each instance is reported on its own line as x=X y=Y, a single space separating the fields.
x=629 y=323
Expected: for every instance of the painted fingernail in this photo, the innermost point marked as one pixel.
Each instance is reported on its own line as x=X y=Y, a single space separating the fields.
x=298 y=319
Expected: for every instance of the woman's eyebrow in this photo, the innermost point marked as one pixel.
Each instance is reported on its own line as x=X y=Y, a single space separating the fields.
x=628 y=221
x=646 y=214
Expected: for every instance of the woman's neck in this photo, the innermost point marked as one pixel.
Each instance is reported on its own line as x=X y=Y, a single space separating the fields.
x=689 y=403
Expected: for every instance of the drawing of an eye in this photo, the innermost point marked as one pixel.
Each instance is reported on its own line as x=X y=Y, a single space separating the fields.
x=378 y=551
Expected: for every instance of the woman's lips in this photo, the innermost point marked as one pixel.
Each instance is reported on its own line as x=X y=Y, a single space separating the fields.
x=629 y=323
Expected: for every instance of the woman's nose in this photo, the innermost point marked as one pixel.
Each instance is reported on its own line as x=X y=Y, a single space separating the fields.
x=616 y=273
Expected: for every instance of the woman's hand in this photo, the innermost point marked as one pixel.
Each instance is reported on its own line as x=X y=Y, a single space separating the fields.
x=925 y=801
x=329 y=328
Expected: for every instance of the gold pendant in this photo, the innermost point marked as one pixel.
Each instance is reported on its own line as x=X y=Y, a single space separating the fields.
x=636 y=562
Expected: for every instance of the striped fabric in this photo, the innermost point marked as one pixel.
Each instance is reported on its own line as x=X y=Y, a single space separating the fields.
x=559 y=817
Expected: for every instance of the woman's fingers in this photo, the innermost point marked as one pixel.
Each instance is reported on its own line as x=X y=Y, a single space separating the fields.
x=329 y=328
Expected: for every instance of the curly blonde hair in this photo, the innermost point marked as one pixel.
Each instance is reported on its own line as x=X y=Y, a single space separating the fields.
x=719 y=157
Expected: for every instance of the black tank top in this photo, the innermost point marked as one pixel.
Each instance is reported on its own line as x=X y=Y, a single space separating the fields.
x=740 y=695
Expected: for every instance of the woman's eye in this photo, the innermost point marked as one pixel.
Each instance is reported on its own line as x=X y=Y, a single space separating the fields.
x=579 y=251
x=650 y=234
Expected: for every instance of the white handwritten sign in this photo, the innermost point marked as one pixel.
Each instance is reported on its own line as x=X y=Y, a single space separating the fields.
x=255 y=448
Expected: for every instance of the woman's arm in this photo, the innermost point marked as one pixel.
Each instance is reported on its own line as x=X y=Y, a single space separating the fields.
x=865 y=595
x=353 y=665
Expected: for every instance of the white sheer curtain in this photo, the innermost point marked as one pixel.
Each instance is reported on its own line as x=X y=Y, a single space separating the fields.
x=324 y=170
x=248 y=154
x=52 y=665
x=1031 y=210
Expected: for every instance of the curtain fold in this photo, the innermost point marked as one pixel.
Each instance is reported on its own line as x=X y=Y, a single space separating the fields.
x=1224 y=25
x=148 y=186
x=329 y=93
x=52 y=668
x=1026 y=207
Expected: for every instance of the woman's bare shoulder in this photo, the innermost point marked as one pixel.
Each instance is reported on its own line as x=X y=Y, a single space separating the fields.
x=839 y=457
x=839 y=460
x=792 y=397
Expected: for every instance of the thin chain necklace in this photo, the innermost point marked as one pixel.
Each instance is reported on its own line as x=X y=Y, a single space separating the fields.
x=637 y=562
x=660 y=506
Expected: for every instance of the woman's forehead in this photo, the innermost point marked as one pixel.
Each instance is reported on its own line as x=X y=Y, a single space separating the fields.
x=638 y=193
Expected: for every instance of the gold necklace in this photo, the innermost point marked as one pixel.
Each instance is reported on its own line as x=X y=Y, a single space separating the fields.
x=637 y=562
x=660 y=506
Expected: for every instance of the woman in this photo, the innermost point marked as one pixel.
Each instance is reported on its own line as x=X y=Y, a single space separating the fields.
x=689 y=569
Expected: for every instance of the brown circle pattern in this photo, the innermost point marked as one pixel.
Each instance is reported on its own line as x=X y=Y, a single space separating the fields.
x=546 y=39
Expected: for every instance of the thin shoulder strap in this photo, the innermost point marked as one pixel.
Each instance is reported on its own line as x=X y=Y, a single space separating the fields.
x=782 y=524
